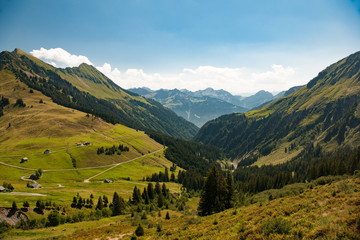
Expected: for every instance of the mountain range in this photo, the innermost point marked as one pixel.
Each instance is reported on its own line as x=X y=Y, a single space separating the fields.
x=202 y=106
x=86 y=89
x=324 y=113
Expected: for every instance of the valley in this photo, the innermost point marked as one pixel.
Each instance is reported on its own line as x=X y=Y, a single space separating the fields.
x=82 y=158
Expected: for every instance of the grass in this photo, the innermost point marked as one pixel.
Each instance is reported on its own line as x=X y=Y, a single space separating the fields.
x=41 y=126
x=327 y=210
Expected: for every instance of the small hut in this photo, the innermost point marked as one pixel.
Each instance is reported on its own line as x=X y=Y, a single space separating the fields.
x=24 y=159
x=47 y=151
x=2 y=189
x=35 y=185
x=107 y=181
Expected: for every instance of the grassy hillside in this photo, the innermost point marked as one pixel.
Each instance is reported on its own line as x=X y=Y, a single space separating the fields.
x=28 y=131
x=325 y=112
x=86 y=89
x=323 y=209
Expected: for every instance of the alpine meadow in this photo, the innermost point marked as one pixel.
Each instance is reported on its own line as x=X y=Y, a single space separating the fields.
x=215 y=120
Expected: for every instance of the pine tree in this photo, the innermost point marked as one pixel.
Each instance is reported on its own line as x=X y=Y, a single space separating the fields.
x=213 y=193
x=118 y=204
x=100 y=204
x=167 y=216
x=105 y=201
x=166 y=175
x=150 y=191
x=136 y=197
x=26 y=204
x=229 y=190
x=139 y=231
x=157 y=188
x=163 y=190
x=145 y=196
x=14 y=206
x=160 y=200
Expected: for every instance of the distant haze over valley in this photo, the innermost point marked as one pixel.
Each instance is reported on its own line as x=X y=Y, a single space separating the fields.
x=201 y=106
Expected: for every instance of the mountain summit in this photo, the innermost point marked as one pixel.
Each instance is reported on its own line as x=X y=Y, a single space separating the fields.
x=324 y=113
x=86 y=89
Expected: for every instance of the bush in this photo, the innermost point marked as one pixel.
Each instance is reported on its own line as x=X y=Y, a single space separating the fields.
x=277 y=225
x=20 y=103
x=54 y=219
x=4 y=227
x=139 y=231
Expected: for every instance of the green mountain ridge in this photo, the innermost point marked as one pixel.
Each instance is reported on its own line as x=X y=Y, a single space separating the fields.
x=197 y=110
x=324 y=112
x=86 y=89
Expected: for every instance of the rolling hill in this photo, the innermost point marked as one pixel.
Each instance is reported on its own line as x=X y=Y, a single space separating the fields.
x=325 y=112
x=86 y=89
x=197 y=110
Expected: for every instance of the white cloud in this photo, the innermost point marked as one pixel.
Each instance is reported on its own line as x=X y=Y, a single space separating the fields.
x=234 y=80
x=60 y=57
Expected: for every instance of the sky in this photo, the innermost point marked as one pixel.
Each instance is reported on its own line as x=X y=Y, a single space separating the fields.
x=241 y=46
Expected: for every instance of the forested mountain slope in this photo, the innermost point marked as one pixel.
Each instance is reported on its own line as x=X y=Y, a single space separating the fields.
x=326 y=111
x=86 y=89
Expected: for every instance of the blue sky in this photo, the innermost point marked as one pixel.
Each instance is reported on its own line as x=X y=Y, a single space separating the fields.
x=241 y=46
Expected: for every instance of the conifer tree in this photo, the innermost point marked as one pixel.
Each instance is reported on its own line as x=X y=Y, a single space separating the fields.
x=160 y=201
x=229 y=190
x=166 y=178
x=14 y=206
x=163 y=190
x=157 y=188
x=213 y=193
x=118 y=204
x=136 y=197
x=100 y=204
x=145 y=196
x=150 y=191
x=139 y=231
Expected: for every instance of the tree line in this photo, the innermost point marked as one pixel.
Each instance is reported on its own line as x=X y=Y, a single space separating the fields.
x=311 y=164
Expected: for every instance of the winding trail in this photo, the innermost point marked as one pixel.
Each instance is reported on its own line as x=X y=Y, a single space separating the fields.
x=111 y=166
x=117 y=164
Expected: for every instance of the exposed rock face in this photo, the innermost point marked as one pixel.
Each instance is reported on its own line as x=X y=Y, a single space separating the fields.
x=11 y=217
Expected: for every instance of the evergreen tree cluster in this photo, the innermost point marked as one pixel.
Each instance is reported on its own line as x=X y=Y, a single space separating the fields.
x=313 y=163
x=217 y=193
x=158 y=195
x=79 y=202
x=191 y=179
x=161 y=177
x=3 y=102
x=112 y=150
x=8 y=186
x=188 y=154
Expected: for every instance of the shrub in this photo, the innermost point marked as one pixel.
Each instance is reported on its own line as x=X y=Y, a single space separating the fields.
x=139 y=231
x=277 y=225
x=54 y=218
x=4 y=226
x=20 y=103
x=158 y=228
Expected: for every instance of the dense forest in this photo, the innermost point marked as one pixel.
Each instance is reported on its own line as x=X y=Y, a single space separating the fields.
x=311 y=164
x=188 y=154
